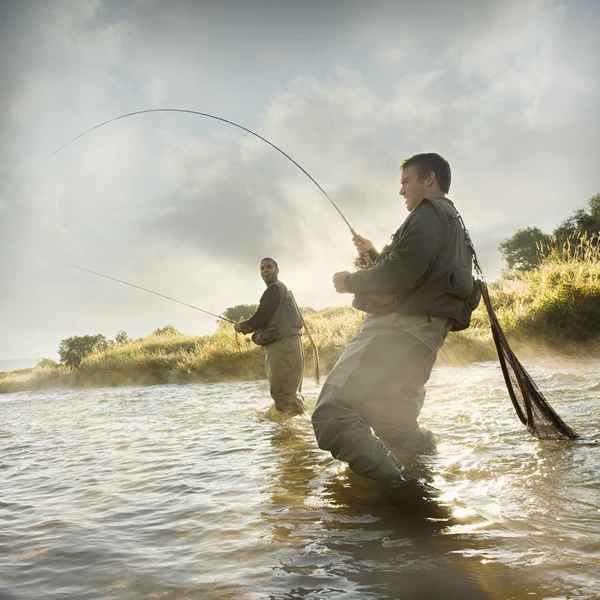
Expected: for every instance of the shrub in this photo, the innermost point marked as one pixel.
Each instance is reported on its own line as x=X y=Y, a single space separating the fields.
x=121 y=338
x=166 y=330
x=46 y=363
x=240 y=312
x=74 y=349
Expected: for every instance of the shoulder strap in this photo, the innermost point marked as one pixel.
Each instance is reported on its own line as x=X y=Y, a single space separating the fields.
x=471 y=246
x=442 y=219
x=468 y=240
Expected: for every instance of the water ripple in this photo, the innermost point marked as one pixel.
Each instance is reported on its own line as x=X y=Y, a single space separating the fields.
x=203 y=491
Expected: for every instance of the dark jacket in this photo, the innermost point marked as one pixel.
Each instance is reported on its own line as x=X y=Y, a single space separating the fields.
x=426 y=270
x=269 y=303
x=278 y=309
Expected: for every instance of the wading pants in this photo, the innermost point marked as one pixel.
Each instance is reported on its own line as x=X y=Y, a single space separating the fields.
x=284 y=362
x=370 y=401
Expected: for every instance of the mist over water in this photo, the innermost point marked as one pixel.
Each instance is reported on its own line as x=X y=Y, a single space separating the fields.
x=11 y=364
x=201 y=491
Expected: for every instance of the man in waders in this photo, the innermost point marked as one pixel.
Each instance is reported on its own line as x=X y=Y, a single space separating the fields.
x=415 y=291
x=277 y=324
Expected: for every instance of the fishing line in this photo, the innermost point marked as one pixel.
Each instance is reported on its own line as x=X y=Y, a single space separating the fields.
x=202 y=310
x=223 y=120
x=139 y=287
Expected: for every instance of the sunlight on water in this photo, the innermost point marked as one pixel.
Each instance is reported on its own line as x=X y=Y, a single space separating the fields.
x=205 y=491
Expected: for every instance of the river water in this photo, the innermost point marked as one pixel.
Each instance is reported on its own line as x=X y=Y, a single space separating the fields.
x=201 y=491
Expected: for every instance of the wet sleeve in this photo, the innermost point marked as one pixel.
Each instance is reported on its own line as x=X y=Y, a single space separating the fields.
x=409 y=259
x=269 y=303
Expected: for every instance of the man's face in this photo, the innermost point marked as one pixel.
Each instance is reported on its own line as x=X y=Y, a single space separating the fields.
x=268 y=271
x=411 y=187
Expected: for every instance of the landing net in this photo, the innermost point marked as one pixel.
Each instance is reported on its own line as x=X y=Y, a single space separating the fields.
x=532 y=408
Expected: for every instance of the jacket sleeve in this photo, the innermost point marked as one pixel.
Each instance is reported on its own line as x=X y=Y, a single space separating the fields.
x=269 y=302
x=413 y=251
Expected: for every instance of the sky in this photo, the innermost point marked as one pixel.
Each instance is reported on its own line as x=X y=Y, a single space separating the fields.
x=507 y=91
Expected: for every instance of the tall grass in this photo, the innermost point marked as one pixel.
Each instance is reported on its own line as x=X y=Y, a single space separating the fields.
x=557 y=303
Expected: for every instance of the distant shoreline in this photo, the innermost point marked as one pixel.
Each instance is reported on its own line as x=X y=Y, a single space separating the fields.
x=551 y=310
x=153 y=368
x=222 y=357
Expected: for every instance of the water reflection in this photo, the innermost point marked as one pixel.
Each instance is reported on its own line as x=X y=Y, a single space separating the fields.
x=344 y=534
x=189 y=492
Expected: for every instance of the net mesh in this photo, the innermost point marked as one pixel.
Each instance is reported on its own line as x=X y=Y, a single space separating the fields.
x=531 y=407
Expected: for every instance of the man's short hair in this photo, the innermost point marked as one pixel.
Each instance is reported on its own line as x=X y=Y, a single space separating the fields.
x=271 y=259
x=431 y=162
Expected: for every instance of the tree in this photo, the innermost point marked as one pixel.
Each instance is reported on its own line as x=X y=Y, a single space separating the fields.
x=74 y=349
x=167 y=330
x=521 y=251
x=121 y=338
x=583 y=222
x=240 y=312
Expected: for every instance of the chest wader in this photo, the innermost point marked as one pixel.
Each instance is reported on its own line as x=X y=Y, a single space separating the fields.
x=369 y=405
x=284 y=358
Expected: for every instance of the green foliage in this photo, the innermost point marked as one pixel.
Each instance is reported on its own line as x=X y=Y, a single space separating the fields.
x=583 y=222
x=74 y=349
x=240 y=312
x=166 y=331
x=521 y=251
x=528 y=247
x=557 y=303
x=121 y=338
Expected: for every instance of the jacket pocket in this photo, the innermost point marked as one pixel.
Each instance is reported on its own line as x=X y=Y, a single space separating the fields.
x=460 y=283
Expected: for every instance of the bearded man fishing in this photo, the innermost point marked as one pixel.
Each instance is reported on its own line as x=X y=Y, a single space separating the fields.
x=277 y=325
x=417 y=290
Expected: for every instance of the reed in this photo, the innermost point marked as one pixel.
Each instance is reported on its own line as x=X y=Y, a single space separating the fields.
x=558 y=303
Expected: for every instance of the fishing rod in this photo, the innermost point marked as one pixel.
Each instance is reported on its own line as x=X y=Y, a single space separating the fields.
x=243 y=128
x=223 y=120
x=139 y=287
x=202 y=310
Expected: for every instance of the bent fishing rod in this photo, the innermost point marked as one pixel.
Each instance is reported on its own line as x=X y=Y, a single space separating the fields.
x=139 y=287
x=239 y=126
x=222 y=120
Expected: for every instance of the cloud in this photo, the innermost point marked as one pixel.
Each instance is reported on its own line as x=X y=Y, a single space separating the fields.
x=507 y=91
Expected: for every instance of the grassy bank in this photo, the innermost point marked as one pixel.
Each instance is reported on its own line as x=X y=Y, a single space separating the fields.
x=554 y=308
x=223 y=356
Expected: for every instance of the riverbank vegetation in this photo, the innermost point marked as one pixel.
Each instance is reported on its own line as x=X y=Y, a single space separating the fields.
x=528 y=247
x=552 y=307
